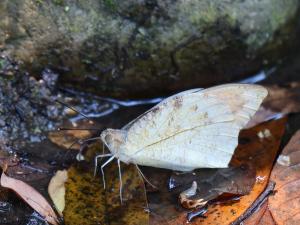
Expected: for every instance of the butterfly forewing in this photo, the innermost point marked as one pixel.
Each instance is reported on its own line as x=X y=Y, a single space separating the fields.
x=193 y=129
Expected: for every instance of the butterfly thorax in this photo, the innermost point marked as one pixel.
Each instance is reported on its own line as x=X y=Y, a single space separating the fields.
x=115 y=141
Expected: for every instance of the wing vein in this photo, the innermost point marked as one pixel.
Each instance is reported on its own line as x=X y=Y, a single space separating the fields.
x=193 y=128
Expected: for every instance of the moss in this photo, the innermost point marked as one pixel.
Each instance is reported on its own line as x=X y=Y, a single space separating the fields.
x=110 y=4
x=279 y=16
x=39 y=1
x=2 y=63
x=58 y=2
x=210 y=14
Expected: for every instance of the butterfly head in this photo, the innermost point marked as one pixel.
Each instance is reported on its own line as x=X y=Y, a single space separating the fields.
x=114 y=140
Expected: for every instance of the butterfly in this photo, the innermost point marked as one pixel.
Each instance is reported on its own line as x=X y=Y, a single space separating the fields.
x=197 y=128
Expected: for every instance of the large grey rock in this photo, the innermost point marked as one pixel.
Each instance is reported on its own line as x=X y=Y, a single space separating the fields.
x=147 y=47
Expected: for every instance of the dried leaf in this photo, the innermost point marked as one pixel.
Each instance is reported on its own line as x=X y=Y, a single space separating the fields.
x=262 y=216
x=285 y=204
x=280 y=101
x=31 y=197
x=88 y=203
x=67 y=138
x=214 y=182
x=57 y=190
x=283 y=99
x=252 y=214
x=263 y=114
x=85 y=202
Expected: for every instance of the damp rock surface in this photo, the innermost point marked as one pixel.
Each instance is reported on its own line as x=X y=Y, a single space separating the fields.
x=147 y=47
x=27 y=106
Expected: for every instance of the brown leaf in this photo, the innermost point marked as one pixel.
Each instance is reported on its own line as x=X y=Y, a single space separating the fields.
x=233 y=180
x=68 y=138
x=88 y=203
x=254 y=151
x=279 y=102
x=263 y=114
x=57 y=190
x=285 y=204
x=283 y=99
x=262 y=216
x=31 y=197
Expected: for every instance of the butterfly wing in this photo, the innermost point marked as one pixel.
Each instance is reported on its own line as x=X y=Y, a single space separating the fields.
x=193 y=129
x=128 y=125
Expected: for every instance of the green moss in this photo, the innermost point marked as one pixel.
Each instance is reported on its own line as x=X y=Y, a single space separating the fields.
x=231 y=19
x=278 y=16
x=111 y=4
x=39 y=1
x=2 y=63
x=58 y=2
x=210 y=14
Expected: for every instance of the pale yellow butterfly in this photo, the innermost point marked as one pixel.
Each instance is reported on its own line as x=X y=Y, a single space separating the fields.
x=197 y=128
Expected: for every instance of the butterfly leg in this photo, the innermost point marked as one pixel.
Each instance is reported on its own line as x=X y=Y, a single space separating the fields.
x=121 y=184
x=143 y=176
x=108 y=161
x=96 y=161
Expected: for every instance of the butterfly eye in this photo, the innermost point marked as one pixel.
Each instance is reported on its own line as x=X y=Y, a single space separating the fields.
x=108 y=139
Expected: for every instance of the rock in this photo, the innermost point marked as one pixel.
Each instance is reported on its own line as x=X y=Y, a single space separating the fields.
x=147 y=47
x=27 y=106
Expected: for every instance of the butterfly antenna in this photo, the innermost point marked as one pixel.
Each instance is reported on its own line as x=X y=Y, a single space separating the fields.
x=121 y=184
x=108 y=161
x=75 y=110
x=143 y=177
x=66 y=128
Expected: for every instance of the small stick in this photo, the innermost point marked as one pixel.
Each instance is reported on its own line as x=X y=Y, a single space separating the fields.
x=268 y=190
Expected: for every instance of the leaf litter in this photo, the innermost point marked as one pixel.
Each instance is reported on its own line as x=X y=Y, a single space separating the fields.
x=31 y=196
x=272 y=108
x=57 y=190
x=284 y=204
x=282 y=207
x=88 y=203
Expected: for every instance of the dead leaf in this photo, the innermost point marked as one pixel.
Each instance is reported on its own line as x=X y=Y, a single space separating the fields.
x=57 y=190
x=214 y=182
x=68 y=138
x=31 y=197
x=254 y=212
x=253 y=151
x=88 y=203
x=263 y=114
x=262 y=216
x=284 y=99
x=285 y=204
x=280 y=101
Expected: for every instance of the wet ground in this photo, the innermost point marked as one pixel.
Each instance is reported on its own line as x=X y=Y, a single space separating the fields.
x=38 y=161
x=29 y=118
